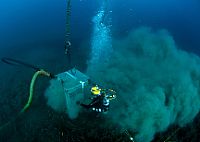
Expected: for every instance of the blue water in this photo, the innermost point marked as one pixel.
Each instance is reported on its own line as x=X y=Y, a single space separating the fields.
x=181 y=18
x=34 y=31
x=32 y=22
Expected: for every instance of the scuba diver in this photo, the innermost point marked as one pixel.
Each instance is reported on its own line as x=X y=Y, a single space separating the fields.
x=101 y=100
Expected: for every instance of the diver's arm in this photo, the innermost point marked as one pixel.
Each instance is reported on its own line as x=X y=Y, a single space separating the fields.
x=95 y=100
x=91 y=104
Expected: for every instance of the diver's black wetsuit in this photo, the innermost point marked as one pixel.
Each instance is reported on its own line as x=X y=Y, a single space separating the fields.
x=99 y=104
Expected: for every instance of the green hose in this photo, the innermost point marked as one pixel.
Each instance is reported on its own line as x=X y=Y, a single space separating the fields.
x=31 y=92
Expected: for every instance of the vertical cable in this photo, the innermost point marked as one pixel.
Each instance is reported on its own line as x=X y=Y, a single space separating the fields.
x=68 y=33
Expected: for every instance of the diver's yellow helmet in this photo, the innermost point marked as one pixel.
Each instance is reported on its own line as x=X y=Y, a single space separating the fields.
x=96 y=90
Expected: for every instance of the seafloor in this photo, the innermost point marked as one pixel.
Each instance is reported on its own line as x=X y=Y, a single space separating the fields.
x=42 y=124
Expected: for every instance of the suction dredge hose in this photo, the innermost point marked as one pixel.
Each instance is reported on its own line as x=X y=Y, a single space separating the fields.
x=39 y=72
x=31 y=90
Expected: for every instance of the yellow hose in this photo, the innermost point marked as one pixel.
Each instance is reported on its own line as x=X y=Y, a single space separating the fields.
x=31 y=91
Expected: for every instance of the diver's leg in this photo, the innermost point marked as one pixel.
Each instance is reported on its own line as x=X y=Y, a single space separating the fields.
x=85 y=106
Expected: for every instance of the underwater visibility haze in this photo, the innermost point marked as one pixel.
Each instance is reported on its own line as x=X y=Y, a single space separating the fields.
x=146 y=51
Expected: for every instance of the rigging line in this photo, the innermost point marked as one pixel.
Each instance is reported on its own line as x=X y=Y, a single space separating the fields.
x=19 y=63
x=15 y=62
x=68 y=33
